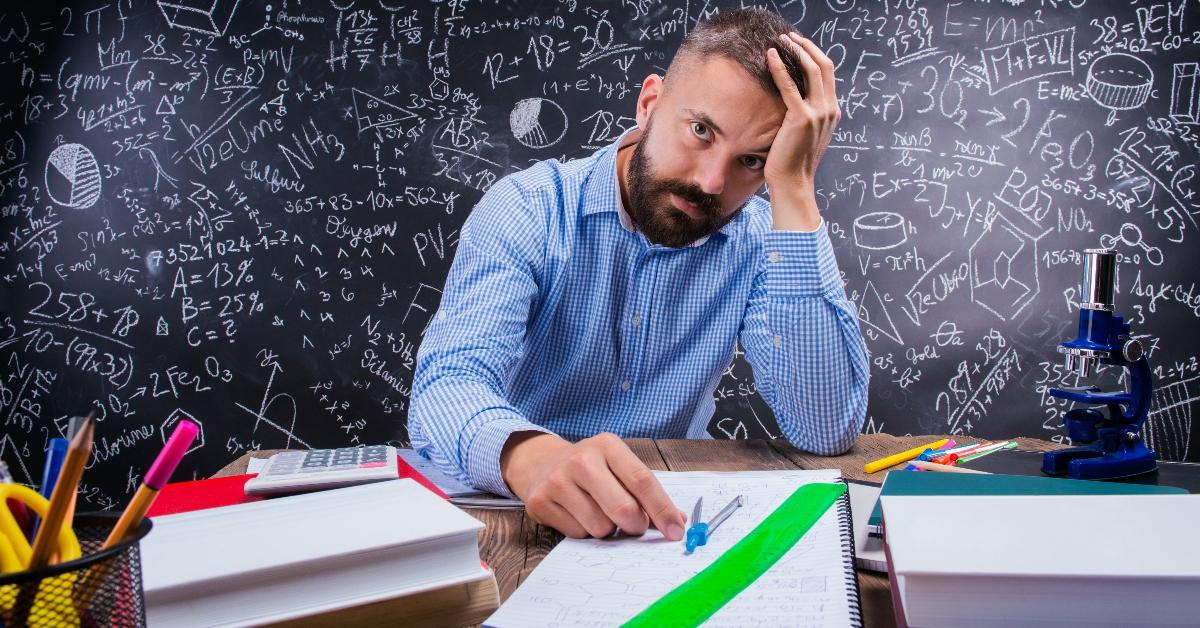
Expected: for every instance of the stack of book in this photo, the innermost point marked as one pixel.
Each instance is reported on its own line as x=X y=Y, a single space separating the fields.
x=994 y=550
x=388 y=553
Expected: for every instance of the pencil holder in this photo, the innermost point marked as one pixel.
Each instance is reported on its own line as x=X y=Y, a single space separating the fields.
x=101 y=588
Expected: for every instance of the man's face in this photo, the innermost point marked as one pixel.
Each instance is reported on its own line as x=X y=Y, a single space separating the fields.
x=702 y=151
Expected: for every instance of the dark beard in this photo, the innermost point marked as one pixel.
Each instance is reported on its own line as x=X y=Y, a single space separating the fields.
x=656 y=217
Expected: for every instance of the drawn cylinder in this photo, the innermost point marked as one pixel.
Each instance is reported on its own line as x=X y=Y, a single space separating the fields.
x=1096 y=290
x=1120 y=81
x=879 y=231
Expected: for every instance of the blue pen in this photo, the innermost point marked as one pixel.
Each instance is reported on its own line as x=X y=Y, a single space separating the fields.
x=697 y=534
x=56 y=453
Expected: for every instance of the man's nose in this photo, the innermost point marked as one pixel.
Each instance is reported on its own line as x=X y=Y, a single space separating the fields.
x=710 y=175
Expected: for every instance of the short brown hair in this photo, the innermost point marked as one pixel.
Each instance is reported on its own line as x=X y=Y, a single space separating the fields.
x=742 y=36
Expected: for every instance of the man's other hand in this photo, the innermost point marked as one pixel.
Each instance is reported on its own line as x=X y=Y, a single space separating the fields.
x=591 y=488
x=807 y=128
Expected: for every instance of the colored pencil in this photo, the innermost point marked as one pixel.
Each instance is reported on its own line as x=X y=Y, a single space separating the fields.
x=164 y=465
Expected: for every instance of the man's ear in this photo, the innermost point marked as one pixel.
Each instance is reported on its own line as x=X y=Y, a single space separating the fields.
x=652 y=88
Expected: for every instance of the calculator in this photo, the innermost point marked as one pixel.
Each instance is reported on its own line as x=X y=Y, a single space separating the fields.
x=318 y=469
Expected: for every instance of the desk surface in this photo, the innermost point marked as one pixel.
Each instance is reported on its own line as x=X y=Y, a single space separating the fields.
x=514 y=545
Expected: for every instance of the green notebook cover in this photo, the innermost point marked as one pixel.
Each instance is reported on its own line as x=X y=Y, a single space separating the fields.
x=932 y=483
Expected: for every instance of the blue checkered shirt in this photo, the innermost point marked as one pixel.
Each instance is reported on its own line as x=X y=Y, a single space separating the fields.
x=557 y=316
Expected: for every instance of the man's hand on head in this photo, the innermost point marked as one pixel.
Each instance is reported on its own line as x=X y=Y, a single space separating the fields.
x=590 y=488
x=807 y=127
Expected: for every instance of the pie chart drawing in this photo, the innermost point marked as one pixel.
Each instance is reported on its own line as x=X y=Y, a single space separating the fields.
x=73 y=176
x=538 y=122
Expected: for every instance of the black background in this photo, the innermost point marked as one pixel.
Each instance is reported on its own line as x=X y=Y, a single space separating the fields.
x=244 y=215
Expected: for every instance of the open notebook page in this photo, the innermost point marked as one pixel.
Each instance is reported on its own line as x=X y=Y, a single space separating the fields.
x=599 y=582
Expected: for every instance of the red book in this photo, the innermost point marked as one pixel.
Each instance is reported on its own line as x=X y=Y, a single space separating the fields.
x=177 y=497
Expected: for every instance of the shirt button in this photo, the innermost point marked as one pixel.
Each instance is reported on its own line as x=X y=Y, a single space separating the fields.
x=626 y=385
x=636 y=320
x=773 y=256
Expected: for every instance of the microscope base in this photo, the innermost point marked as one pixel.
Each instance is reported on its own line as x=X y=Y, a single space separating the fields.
x=1094 y=462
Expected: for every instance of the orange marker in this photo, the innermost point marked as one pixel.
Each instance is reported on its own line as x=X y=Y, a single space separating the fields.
x=946 y=459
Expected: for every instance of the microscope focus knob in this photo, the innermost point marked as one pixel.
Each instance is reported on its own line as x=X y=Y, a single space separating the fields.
x=1132 y=351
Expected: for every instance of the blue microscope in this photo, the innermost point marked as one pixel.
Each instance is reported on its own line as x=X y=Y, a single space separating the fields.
x=1110 y=446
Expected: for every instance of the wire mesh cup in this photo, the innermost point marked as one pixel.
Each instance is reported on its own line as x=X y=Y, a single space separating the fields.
x=101 y=588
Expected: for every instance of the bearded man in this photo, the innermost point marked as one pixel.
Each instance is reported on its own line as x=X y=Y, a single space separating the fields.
x=603 y=297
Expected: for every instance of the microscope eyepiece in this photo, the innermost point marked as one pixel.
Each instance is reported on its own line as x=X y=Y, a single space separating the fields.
x=1099 y=273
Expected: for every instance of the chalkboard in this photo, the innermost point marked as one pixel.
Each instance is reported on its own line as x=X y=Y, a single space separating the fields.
x=242 y=213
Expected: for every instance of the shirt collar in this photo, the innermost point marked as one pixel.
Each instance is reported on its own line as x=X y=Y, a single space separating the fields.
x=597 y=197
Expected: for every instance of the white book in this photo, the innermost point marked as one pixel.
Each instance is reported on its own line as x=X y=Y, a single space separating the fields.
x=868 y=549
x=296 y=556
x=1045 y=560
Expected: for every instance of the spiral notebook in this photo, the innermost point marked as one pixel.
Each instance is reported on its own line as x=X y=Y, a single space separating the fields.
x=599 y=582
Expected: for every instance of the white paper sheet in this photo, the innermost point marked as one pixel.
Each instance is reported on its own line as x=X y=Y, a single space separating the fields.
x=604 y=582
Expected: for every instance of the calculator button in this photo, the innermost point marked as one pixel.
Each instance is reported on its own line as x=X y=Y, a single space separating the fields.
x=371 y=465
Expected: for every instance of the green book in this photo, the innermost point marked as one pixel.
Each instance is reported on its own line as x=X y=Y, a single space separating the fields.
x=932 y=483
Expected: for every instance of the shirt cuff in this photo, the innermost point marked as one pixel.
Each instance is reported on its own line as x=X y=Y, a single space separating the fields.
x=485 y=449
x=800 y=263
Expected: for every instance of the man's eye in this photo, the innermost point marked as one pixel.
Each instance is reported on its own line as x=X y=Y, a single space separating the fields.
x=752 y=162
x=700 y=130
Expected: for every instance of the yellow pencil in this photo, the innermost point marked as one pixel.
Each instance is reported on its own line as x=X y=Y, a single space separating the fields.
x=72 y=430
x=64 y=491
x=904 y=456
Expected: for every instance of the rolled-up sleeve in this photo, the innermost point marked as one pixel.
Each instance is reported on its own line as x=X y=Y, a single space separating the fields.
x=801 y=337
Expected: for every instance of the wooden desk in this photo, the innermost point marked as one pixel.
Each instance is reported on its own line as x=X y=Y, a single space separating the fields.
x=514 y=545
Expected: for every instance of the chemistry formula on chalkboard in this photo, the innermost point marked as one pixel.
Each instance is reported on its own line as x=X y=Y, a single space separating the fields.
x=242 y=212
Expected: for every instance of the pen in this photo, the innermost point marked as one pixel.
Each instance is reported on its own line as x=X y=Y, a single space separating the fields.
x=965 y=449
x=64 y=490
x=946 y=459
x=938 y=454
x=55 y=454
x=979 y=453
x=164 y=465
x=904 y=456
